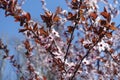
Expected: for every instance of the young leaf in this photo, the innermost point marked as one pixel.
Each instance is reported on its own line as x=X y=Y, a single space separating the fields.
x=93 y=15
x=94 y=40
x=56 y=18
x=43 y=32
x=44 y=18
x=22 y=30
x=109 y=35
x=112 y=26
x=44 y=78
x=106 y=15
x=28 y=17
x=30 y=68
x=27 y=44
x=83 y=18
x=111 y=50
x=17 y=18
x=35 y=27
x=70 y=15
x=70 y=29
x=87 y=46
x=103 y=23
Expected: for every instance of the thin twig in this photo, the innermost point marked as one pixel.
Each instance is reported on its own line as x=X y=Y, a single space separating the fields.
x=68 y=47
x=71 y=37
x=77 y=67
x=88 y=52
x=98 y=64
x=112 y=57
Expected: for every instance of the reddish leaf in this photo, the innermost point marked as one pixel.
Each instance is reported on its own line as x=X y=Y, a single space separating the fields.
x=27 y=44
x=90 y=28
x=37 y=77
x=94 y=40
x=68 y=40
x=74 y=4
x=28 y=17
x=93 y=15
x=22 y=20
x=74 y=1
x=30 y=68
x=100 y=30
x=112 y=26
x=22 y=30
x=56 y=18
x=100 y=72
x=106 y=15
x=37 y=41
x=110 y=42
x=17 y=18
x=43 y=32
x=115 y=71
x=70 y=29
x=44 y=78
x=87 y=46
x=83 y=6
x=82 y=40
x=103 y=23
x=109 y=35
x=28 y=33
x=35 y=27
x=47 y=18
x=81 y=12
x=12 y=5
x=82 y=18
x=71 y=16
x=111 y=50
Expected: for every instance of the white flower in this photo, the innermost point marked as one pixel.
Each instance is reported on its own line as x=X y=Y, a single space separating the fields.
x=55 y=33
x=102 y=46
x=86 y=61
x=64 y=12
x=70 y=64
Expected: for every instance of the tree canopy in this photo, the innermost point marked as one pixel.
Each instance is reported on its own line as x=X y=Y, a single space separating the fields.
x=80 y=43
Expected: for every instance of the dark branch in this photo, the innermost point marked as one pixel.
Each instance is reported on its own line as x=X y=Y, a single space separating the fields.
x=68 y=47
x=98 y=64
x=88 y=52
x=112 y=57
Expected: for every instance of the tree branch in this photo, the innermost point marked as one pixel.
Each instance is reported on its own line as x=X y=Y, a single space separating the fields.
x=68 y=47
x=112 y=57
x=88 y=52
